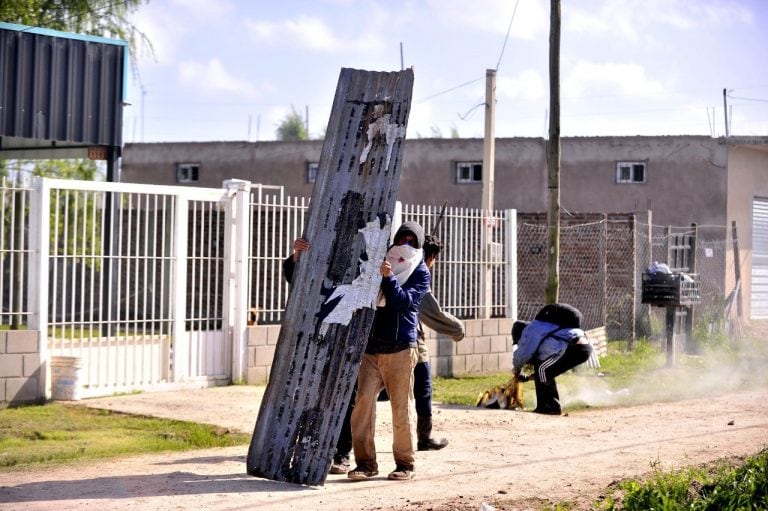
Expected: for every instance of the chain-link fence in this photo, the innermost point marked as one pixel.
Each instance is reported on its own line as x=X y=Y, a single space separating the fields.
x=602 y=260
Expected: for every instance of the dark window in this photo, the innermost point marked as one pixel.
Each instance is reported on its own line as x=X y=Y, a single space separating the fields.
x=312 y=168
x=187 y=172
x=630 y=172
x=469 y=172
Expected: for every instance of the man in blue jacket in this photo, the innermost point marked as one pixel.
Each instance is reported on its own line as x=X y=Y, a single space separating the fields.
x=554 y=343
x=391 y=355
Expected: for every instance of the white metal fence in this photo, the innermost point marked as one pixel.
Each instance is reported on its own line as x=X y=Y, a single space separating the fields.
x=151 y=286
x=14 y=252
x=127 y=278
x=473 y=278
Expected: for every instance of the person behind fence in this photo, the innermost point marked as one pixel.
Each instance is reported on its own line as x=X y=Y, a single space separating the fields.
x=554 y=343
x=431 y=315
x=340 y=463
x=390 y=356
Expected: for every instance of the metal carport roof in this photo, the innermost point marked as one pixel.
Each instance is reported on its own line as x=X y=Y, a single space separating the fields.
x=61 y=94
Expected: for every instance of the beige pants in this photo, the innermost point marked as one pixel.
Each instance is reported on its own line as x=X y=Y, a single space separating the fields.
x=394 y=372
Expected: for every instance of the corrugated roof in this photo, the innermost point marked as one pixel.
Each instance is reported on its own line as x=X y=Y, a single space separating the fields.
x=59 y=92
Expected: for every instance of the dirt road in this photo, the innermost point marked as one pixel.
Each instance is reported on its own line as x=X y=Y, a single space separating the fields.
x=505 y=458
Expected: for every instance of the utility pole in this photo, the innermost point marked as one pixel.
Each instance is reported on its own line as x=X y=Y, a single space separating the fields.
x=553 y=158
x=725 y=111
x=488 y=175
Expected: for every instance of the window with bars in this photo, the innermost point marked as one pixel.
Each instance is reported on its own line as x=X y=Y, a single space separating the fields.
x=469 y=172
x=630 y=172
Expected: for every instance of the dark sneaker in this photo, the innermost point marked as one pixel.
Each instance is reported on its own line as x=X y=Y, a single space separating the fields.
x=400 y=474
x=548 y=411
x=430 y=444
x=361 y=474
x=340 y=465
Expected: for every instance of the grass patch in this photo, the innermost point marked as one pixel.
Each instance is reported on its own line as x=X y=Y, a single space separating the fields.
x=723 y=485
x=57 y=433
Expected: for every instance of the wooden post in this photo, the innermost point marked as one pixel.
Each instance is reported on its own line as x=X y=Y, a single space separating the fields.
x=737 y=269
x=691 y=346
x=552 y=291
x=330 y=307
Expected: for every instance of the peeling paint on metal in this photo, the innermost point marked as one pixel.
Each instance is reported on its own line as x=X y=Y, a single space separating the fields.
x=363 y=291
x=382 y=127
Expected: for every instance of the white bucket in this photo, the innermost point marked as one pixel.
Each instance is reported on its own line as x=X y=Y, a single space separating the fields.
x=65 y=378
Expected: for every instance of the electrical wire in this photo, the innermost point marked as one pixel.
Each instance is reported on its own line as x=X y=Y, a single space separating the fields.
x=748 y=99
x=449 y=90
x=509 y=28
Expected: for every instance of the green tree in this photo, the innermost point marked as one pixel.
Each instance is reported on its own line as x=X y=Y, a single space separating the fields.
x=292 y=127
x=83 y=169
x=105 y=18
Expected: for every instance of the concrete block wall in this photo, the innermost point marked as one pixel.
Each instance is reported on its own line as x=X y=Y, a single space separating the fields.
x=262 y=340
x=486 y=349
x=21 y=370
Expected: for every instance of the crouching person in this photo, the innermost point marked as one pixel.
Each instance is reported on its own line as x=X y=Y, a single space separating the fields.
x=554 y=343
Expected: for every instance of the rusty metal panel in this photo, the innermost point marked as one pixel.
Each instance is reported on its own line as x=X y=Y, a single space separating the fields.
x=331 y=304
x=60 y=87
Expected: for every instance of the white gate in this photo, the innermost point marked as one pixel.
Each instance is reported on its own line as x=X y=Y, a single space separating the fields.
x=759 y=294
x=133 y=281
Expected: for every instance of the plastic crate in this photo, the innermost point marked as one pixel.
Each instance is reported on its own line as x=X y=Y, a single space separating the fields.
x=671 y=289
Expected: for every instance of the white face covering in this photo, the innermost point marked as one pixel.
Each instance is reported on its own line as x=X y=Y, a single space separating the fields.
x=404 y=259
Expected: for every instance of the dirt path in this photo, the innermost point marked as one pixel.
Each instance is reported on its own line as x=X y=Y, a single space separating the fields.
x=493 y=454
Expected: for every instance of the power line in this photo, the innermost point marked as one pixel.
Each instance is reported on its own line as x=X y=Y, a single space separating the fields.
x=749 y=99
x=509 y=28
x=450 y=90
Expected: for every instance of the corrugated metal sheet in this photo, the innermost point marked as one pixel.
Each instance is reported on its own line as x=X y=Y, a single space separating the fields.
x=60 y=87
x=759 y=294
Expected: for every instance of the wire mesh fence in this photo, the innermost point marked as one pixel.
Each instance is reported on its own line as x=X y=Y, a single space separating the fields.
x=602 y=260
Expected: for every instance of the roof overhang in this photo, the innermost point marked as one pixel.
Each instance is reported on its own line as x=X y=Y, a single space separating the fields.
x=61 y=94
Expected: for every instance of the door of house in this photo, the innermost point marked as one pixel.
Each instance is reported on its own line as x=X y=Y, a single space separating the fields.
x=759 y=282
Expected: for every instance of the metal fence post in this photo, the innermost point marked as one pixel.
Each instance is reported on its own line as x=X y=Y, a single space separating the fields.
x=236 y=251
x=179 y=338
x=397 y=219
x=39 y=227
x=510 y=259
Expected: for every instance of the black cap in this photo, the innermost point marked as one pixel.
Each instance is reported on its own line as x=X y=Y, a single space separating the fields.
x=517 y=330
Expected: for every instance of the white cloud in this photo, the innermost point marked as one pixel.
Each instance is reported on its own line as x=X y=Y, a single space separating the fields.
x=204 y=9
x=531 y=19
x=212 y=77
x=164 y=36
x=528 y=84
x=590 y=79
x=632 y=19
x=311 y=33
x=167 y=24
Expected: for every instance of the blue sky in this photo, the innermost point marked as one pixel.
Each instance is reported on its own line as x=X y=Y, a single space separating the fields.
x=233 y=69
